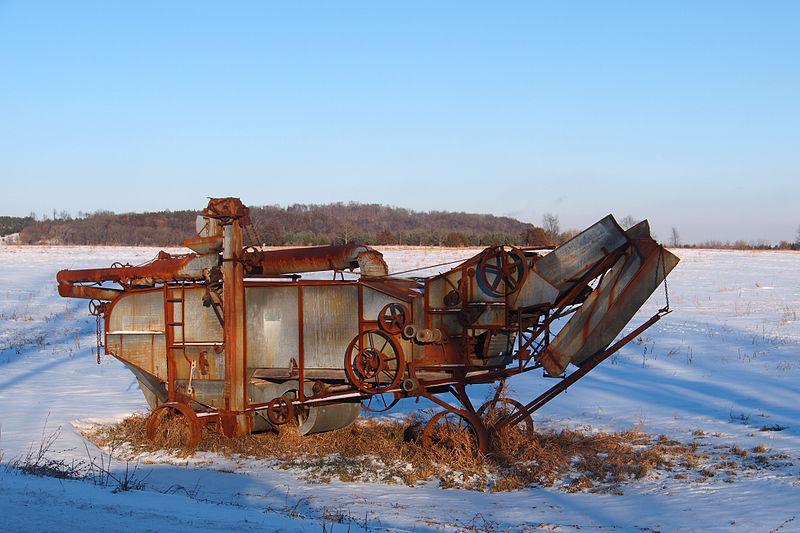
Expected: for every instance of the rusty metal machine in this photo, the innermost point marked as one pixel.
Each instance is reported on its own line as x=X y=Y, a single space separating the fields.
x=234 y=337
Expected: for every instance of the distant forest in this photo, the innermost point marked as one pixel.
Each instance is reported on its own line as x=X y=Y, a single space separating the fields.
x=312 y=224
x=299 y=224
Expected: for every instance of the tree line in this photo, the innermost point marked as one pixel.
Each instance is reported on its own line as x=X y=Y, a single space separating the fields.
x=298 y=224
x=314 y=224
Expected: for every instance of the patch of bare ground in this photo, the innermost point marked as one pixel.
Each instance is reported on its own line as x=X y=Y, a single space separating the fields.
x=389 y=451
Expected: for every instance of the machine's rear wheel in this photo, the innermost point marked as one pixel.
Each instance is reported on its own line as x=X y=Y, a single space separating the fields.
x=498 y=409
x=456 y=430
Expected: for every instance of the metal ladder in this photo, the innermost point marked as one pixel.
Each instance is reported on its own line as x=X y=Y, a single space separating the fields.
x=174 y=304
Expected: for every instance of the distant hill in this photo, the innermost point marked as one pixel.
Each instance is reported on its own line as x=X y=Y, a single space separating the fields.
x=299 y=224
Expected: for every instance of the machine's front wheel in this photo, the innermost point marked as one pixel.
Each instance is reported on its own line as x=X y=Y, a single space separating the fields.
x=174 y=425
x=280 y=411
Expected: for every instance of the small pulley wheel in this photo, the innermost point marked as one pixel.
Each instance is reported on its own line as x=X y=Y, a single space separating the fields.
x=452 y=298
x=393 y=318
x=502 y=270
x=96 y=307
x=280 y=410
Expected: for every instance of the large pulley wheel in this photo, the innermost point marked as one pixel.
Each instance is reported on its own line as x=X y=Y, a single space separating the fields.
x=502 y=270
x=393 y=318
x=373 y=362
x=499 y=409
x=456 y=429
x=174 y=425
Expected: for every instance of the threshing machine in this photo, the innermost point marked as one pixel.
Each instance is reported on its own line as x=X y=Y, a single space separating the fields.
x=233 y=336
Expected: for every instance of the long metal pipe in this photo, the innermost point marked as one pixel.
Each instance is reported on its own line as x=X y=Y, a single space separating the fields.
x=314 y=259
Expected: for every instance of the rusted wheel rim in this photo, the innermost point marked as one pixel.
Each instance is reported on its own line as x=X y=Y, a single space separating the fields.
x=494 y=411
x=443 y=427
x=157 y=419
x=379 y=403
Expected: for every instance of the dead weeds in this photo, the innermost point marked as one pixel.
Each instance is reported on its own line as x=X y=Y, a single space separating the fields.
x=389 y=451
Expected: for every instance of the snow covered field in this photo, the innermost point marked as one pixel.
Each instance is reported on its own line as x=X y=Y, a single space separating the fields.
x=722 y=370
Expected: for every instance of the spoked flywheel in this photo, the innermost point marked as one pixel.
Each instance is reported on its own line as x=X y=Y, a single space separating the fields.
x=373 y=362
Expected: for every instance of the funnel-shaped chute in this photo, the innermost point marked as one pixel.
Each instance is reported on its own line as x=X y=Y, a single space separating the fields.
x=627 y=267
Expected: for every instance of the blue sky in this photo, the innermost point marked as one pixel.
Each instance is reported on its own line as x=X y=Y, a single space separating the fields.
x=685 y=113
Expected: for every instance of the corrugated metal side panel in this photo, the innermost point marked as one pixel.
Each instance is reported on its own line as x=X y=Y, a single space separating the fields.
x=148 y=352
x=330 y=322
x=272 y=326
x=142 y=311
x=202 y=324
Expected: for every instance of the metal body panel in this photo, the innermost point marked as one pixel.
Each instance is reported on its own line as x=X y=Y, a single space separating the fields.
x=536 y=291
x=201 y=324
x=145 y=351
x=138 y=312
x=373 y=301
x=272 y=326
x=330 y=322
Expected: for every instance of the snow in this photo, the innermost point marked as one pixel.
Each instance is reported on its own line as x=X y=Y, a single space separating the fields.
x=722 y=370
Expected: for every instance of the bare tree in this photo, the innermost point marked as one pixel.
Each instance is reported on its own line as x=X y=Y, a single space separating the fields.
x=628 y=222
x=346 y=229
x=552 y=227
x=675 y=240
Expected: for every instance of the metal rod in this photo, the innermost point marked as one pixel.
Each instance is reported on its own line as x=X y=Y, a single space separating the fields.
x=584 y=369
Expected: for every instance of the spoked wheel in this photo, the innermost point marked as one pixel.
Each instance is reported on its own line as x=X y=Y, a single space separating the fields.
x=379 y=403
x=373 y=362
x=280 y=411
x=393 y=318
x=174 y=425
x=498 y=409
x=456 y=429
x=502 y=269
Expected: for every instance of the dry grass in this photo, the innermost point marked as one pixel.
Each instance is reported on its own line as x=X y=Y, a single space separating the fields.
x=392 y=452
